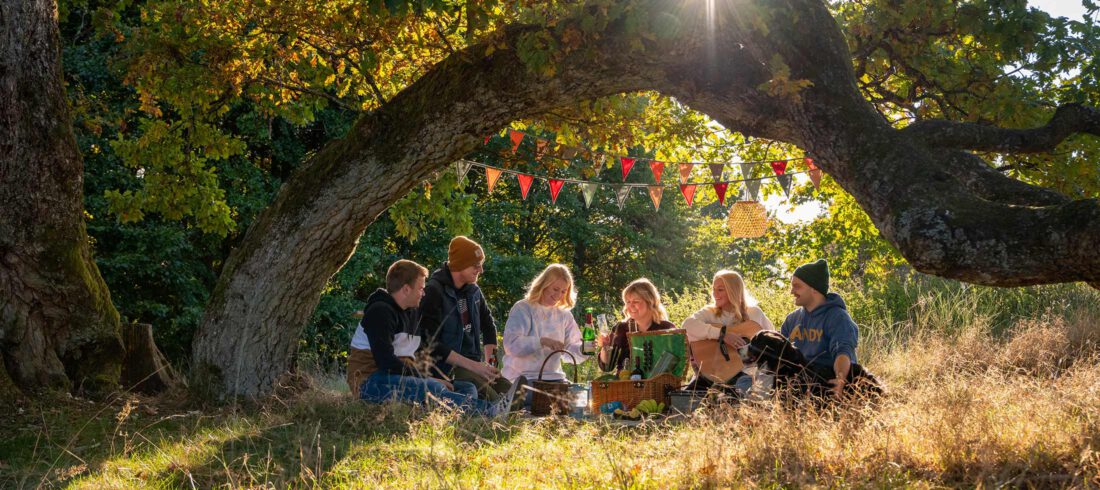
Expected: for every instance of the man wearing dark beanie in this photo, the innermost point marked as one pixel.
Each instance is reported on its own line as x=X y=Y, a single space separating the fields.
x=457 y=321
x=821 y=327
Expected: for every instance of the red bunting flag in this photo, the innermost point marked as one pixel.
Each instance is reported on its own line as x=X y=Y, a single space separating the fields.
x=655 y=193
x=689 y=193
x=815 y=177
x=720 y=189
x=780 y=168
x=628 y=163
x=525 y=183
x=487 y=139
x=555 y=187
x=658 y=168
x=810 y=165
x=685 y=172
x=517 y=138
x=492 y=175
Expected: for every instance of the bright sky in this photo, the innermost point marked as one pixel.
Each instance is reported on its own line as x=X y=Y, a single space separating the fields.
x=1073 y=9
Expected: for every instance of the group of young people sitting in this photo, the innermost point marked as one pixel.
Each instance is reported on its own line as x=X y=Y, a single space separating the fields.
x=434 y=337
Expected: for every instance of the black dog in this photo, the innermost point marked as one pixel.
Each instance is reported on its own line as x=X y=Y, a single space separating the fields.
x=794 y=373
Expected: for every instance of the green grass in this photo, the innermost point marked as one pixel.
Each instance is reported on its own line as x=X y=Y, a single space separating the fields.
x=987 y=388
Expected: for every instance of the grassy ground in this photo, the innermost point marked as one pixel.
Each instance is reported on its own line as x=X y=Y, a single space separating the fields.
x=977 y=398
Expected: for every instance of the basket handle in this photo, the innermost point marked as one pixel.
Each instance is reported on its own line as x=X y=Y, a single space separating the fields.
x=552 y=355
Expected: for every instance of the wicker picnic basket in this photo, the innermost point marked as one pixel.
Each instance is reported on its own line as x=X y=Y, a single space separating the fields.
x=552 y=397
x=747 y=219
x=630 y=393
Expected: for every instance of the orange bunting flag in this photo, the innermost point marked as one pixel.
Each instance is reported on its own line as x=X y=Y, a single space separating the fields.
x=628 y=163
x=658 y=168
x=716 y=170
x=517 y=138
x=720 y=189
x=780 y=168
x=492 y=175
x=598 y=162
x=685 y=172
x=810 y=165
x=815 y=177
x=689 y=193
x=525 y=183
x=655 y=193
x=555 y=188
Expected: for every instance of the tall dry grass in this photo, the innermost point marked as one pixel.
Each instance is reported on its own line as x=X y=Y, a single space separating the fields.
x=974 y=400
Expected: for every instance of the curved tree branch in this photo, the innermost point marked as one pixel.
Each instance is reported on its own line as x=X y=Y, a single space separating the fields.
x=948 y=213
x=1068 y=120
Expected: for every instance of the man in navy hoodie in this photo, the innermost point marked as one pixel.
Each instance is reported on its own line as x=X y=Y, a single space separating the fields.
x=821 y=328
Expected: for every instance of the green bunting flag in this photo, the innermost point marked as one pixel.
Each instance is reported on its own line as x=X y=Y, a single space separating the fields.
x=588 y=189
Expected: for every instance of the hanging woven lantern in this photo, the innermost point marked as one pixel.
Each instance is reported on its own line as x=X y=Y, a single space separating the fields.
x=748 y=219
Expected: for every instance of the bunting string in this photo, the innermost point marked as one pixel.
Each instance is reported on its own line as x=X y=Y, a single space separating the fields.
x=568 y=153
x=495 y=171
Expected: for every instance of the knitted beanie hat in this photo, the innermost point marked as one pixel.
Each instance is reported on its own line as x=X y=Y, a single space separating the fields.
x=463 y=253
x=815 y=274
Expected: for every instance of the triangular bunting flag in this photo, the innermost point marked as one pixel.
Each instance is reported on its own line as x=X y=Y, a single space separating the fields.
x=517 y=138
x=655 y=193
x=720 y=189
x=462 y=167
x=689 y=193
x=540 y=148
x=752 y=190
x=487 y=139
x=685 y=172
x=785 y=183
x=815 y=177
x=555 y=188
x=599 y=160
x=621 y=195
x=492 y=175
x=525 y=183
x=658 y=168
x=779 y=168
x=589 y=190
x=810 y=165
x=716 y=170
x=746 y=171
x=628 y=163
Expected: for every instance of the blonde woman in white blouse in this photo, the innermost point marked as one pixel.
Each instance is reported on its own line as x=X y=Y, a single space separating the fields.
x=541 y=323
x=732 y=304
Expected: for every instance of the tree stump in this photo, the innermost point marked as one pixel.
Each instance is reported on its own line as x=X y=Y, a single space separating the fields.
x=145 y=369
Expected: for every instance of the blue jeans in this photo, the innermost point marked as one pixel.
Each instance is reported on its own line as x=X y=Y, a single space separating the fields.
x=380 y=387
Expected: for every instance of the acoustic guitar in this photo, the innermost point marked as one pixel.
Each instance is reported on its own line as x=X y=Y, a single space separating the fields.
x=710 y=360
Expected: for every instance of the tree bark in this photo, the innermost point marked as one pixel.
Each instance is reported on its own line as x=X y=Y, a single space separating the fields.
x=144 y=367
x=946 y=211
x=58 y=327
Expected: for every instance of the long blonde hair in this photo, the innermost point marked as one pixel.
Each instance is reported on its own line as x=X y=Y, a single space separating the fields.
x=551 y=273
x=736 y=292
x=645 y=290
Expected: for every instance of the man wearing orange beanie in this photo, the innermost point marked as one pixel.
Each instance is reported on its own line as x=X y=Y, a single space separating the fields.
x=456 y=320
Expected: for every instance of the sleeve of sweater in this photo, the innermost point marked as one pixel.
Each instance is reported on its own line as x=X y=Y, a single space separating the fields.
x=488 y=324
x=517 y=330
x=381 y=325
x=757 y=315
x=698 y=326
x=843 y=334
x=431 y=322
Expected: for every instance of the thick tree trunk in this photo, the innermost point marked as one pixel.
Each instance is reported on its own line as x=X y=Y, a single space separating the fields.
x=58 y=328
x=144 y=367
x=946 y=213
